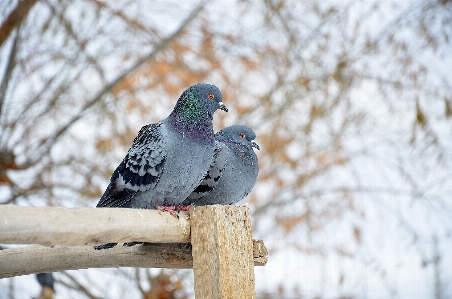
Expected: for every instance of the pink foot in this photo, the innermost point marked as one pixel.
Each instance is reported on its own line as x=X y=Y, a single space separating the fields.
x=184 y=208
x=170 y=209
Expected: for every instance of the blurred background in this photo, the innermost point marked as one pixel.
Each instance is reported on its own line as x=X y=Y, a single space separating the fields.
x=351 y=102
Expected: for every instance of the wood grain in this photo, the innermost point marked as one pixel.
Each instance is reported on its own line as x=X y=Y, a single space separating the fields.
x=88 y=226
x=39 y=259
x=222 y=252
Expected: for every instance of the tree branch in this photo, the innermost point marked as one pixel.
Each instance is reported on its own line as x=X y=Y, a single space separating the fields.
x=15 y=17
x=8 y=70
x=48 y=142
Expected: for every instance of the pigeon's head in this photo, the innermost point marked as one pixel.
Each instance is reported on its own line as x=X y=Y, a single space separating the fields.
x=198 y=104
x=239 y=134
x=209 y=96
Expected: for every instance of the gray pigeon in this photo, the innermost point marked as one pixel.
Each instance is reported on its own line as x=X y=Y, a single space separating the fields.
x=168 y=159
x=233 y=173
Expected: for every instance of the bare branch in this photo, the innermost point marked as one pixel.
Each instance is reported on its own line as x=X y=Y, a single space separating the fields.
x=48 y=142
x=15 y=18
x=9 y=70
x=77 y=285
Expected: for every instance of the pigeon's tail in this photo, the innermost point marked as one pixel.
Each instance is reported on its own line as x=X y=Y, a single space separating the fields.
x=114 y=198
x=105 y=246
x=111 y=245
x=130 y=244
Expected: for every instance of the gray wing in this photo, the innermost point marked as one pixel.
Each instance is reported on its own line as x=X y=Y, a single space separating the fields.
x=213 y=175
x=139 y=171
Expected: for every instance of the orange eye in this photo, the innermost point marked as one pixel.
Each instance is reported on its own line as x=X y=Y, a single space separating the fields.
x=210 y=96
x=242 y=135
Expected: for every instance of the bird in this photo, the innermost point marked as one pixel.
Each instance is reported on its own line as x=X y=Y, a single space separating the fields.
x=167 y=159
x=45 y=279
x=233 y=173
x=46 y=282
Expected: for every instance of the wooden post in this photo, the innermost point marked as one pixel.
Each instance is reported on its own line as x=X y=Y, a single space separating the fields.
x=222 y=251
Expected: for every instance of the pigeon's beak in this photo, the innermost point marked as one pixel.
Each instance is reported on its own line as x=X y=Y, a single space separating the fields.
x=223 y=107
x=254 y=144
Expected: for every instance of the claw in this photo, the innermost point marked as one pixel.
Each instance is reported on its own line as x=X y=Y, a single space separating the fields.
x=170 y=209
x=184 y=208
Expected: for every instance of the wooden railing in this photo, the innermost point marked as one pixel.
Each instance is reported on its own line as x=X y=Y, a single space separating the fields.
x=213 y=240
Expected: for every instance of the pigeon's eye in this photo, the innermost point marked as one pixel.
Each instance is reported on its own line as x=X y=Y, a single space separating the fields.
x=210 y=96
x=242 y=135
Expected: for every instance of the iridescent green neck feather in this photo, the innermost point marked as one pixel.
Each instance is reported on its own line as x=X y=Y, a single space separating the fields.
x=190 y=118
x=190 y=109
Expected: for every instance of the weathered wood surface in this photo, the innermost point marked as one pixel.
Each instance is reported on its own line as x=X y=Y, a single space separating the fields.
x=87 y=226
x=38 y=259
x=222 y=252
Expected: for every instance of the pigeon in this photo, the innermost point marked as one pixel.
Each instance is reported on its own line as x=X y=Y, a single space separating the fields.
x=46 y=282
x=233 y=173
x=168 y=159
x=45 y=279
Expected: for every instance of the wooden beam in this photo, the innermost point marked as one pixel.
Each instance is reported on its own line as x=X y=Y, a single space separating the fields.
x=38 y=259
x=223 y=236
x=222 y=252
x=89 y=226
